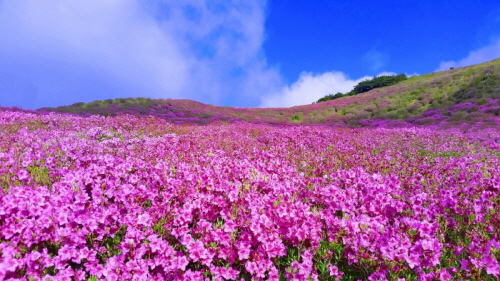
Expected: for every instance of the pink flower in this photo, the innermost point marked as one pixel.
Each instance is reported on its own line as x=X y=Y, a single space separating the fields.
x=255 y=228
x=233 y=195
x=35 y=256
x=143 y=219
x=181 y=262
x=197 y=251
x=22 y=174
x=412 y=260
x=458 y=251
x=251 y=267
x=243 y=253
x=464 y=265
x=229 y=226
x=492 y=266
x=260 y=272
x=26 y=162
x=444 y=275
x=10 y=264
x=427 y=244
x=333 y=270
x=295 y=265
x=133 y=178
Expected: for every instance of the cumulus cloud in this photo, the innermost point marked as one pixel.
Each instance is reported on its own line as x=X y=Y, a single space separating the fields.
x=60 y=52
x=311 y=87
x=485 y=54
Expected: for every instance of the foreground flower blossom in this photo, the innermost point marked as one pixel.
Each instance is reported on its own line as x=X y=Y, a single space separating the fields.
x=126 y=198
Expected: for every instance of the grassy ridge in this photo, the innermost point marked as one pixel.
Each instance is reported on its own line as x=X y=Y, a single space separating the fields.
x=463 y=95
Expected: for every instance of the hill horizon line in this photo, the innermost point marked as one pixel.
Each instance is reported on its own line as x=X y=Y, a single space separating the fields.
x=460 y=95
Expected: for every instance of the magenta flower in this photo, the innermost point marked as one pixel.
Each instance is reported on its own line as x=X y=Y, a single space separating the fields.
x=23 y=175
x=251 y=267
x=157 y=201
x=444 y=275
x=492 y=266
x=464 y=265
x=412 y=260
x=333 y=270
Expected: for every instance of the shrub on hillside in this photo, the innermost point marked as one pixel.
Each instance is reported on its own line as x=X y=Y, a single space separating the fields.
x=460 y=115
x=378 y=82
x=482 y=101
x=297 y=117
x=367 y=85
x=473 y=109
x=331 y=97
x=414 y=108
x=484 y=85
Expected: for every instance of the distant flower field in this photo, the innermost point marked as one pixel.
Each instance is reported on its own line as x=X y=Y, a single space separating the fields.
x=126 y=198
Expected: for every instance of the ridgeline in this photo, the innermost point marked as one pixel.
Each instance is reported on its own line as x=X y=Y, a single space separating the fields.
x=462 y=96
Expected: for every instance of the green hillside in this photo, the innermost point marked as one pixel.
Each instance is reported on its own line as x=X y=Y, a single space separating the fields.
x=463 y=95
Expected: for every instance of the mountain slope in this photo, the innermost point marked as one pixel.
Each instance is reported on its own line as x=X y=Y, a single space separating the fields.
x=463 y=95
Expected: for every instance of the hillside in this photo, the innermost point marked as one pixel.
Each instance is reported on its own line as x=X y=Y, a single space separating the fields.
x=466 y=95
x=131 y=198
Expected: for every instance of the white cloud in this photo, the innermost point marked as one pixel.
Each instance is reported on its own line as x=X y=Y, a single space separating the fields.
x=375 y=59
x=309 y=88
x=60 y=52
x=485 y=54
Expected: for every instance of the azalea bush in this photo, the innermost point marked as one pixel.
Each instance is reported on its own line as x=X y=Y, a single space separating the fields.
x=128 y=198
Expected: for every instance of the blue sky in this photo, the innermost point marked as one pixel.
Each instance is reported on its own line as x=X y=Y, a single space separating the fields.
x=235 y=53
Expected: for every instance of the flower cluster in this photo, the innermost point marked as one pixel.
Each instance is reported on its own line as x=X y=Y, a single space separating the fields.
x=127 y=198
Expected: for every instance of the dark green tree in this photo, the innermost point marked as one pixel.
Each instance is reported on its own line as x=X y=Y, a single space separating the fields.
x=378 y=82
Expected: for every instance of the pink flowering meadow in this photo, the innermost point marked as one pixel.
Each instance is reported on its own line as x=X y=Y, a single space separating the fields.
x=126 y=198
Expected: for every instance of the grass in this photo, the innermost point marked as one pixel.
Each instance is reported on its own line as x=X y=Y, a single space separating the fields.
x=408 y=99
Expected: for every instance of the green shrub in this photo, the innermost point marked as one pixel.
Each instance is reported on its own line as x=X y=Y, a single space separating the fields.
x=414 y=108
x=414 y=93
x=391 y=115
x=297 y=117
x=460 y=115
x=478 y=116
x=78 y=104
x=367 y=85
x=121 y=100
x=378 y=82
x=402 y=114
x=392 y=107
x=469 y=72
x=330 y=97
x=482 y=101
x=484 y=85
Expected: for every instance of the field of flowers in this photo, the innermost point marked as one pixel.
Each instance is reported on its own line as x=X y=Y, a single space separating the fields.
x=126 y=198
